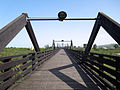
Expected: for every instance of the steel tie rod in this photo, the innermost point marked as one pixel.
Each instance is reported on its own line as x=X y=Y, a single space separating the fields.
x=61 y=16
x=42 y=19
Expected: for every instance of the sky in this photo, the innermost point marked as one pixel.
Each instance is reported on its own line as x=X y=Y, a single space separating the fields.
x=47 y=31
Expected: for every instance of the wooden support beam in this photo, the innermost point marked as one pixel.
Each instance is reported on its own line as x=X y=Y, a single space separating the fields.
x=93 y=35
x=8 y=32
x=32 y=36
x=111 y=27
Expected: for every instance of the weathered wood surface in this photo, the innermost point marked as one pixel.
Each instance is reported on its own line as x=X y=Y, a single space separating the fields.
x=8 y=32
x=59 y=72
x=110 y=26
x=32 y=36
x=14 y=69
x=100 y=65
x=93 y=36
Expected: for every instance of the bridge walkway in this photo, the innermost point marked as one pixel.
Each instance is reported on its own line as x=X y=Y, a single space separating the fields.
x=59 y=72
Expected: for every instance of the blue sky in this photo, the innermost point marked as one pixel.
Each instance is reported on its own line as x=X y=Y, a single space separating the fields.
x=46 y=31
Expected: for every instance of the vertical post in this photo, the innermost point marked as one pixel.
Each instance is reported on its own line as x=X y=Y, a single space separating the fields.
x=67 y=46
x=24 y=62
x=53 y=45
x=62 y=45
x=31 y=34
x=57 y=45
x=5 y=61
x=101 y=63
x=117 y=70
x=71 y=45
x=33 y=63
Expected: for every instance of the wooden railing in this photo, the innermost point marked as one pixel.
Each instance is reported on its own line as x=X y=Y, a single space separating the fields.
x=15 y=68
x=105 y=67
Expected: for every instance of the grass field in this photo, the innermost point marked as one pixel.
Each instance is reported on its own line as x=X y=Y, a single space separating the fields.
x=15 y=51
x=115 y=52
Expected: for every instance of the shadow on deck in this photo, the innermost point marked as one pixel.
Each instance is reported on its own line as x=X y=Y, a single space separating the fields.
x=90 y=84
x=60 y=72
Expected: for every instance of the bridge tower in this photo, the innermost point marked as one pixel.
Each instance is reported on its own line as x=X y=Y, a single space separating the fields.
x=71 y=45
x=53 y=45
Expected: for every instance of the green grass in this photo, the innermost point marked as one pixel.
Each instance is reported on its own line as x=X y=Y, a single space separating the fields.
x=16 y=51
x=115 y=52
x=107 y=51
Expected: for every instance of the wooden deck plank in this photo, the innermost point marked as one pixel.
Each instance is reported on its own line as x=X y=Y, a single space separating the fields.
x=59 y=72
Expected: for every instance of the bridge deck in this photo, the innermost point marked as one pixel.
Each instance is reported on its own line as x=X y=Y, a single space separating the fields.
x=59 y=72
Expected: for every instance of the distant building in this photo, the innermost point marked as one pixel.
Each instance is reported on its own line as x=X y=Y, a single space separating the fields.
x=80 y=47
x=111 y=48
x=31 y=48
x=108 y=47
x=104 y=47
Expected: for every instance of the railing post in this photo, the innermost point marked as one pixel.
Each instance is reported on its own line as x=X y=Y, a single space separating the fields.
x=117 y=70
x=33 y=63
x=5 y=61
x=45 y=54
x=84 y=58
x=53 y=52
x=101 y=63
x=40 y=58
x=24 y=62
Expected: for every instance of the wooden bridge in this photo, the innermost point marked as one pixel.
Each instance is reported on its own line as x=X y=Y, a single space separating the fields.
x=59 y=72
x=59 y=68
